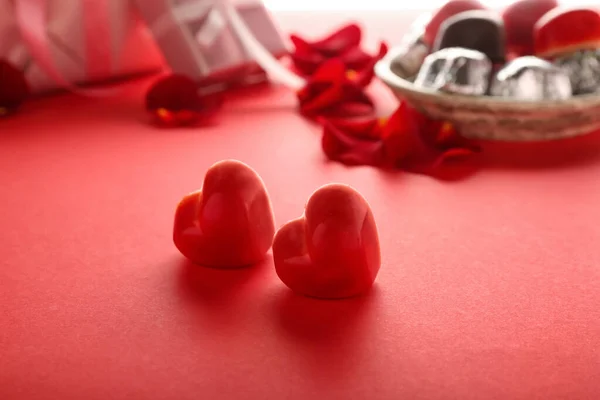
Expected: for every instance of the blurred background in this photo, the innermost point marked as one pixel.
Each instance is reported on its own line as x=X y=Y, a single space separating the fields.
x=313 y=18
x=316 y=5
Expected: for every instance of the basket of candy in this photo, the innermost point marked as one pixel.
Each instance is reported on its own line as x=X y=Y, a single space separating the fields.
x=529 y=73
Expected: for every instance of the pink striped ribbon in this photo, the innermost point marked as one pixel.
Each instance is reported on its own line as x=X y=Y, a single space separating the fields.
x=32 y=20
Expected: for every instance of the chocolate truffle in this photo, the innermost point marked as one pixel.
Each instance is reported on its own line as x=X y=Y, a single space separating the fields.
x=478 y=30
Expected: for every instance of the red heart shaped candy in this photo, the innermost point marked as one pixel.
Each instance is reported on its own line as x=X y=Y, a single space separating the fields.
x=332 y=251
x=229 y=223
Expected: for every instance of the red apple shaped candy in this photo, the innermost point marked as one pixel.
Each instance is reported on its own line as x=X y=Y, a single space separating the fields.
x=332 y=251
x=229 y=223
x=450 y=9
x=565 y=31
x=519 y=19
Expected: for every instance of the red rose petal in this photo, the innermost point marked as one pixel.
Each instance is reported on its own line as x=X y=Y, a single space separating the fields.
x=14 y=89
x=347 y=143
x=401 y=135
x=406 y=140
x=330 y=91
x=418 y=144
x=307 y=63
x=355 y=97
x=453 y=154
x=447 y=137
x=344 y=44
x=335 y=100
x=175 y=100
x=366 y=75
x=306 y=59
x=333 y=70
x=340 y=41
x=301 y=46
x=319 y=96
x=361 y=128
x=183 y=117
x=356 y=58
x=347 y=109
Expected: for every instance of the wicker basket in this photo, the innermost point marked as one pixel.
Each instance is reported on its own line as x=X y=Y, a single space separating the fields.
x=493 y=118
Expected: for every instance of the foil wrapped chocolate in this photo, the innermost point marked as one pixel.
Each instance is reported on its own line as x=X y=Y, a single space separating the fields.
x=583 y=68
x=406 y=61
x=531 y=79
x=478 y=30
x=456 y=70
x=408 y=58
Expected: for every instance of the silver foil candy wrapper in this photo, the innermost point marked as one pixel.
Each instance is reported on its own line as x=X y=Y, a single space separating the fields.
x=583 y=68
x=456 y=70
x=531 y=79
x=412 y=51
x=407 y=60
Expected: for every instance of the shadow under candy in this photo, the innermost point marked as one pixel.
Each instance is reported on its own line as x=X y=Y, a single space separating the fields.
x=326 y=337
x=218 y=295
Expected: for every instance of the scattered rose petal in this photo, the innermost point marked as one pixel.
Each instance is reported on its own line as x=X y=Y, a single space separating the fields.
x=454 y=154
x=344 y=44
x=406 y=140
x=175 y=100
x=353 y=142
x=361 y=128
x=14 y=89
x=331 y=92
x=401 y=138
x=447 y=137
x=306 y=62
x=416 y=143
x=357 y=59
x=365 y=75
x=335 y=44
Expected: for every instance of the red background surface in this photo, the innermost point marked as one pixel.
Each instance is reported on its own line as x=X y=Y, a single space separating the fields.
x=489 y=288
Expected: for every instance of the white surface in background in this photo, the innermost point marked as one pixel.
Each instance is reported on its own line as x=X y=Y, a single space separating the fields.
x=376 y=5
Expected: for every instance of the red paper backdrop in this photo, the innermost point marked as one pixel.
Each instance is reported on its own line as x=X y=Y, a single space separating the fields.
x=489 y=288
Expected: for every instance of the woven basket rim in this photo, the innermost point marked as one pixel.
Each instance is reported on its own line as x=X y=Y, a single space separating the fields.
x=397 y=83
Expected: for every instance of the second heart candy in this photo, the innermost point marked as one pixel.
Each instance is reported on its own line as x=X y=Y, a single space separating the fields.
x=332 y=251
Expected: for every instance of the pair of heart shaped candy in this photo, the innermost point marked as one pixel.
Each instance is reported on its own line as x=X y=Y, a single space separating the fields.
x=331 y=251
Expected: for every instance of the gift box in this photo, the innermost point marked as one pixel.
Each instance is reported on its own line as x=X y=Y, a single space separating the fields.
x=75 y=41
x=196 y=38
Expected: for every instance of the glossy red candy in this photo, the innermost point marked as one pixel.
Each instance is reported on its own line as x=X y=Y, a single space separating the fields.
x=332 y=251
x=519 y=19
x=564 y=31
x=448 y=10
x=229 y=223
